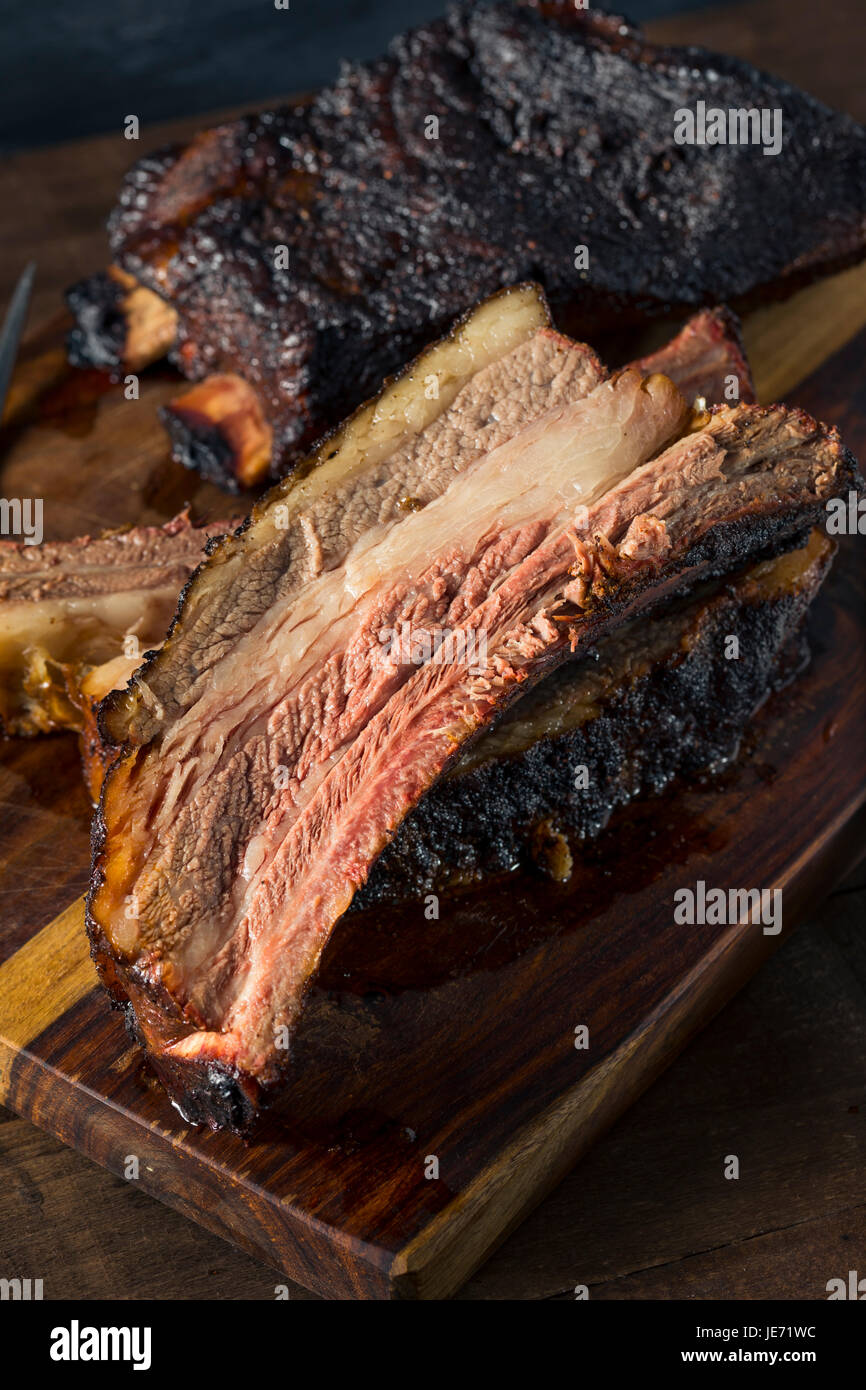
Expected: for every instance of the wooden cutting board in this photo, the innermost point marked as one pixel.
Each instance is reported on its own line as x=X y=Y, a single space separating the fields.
x=439 y=1093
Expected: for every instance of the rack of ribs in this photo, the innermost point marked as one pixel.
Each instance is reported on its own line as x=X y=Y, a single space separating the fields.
x=289 y=261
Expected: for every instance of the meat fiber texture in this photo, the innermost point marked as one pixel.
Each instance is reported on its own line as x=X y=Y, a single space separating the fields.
x=75 y=616
x=302 y=704
x=655 y=701
x=70 y=607
x=314 y=249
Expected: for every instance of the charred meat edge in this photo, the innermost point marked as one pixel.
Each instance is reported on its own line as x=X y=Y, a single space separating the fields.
x=120 y=325
x=656 y=700
x=218 y=428
x=177 y=203
x=624 y=579
x=63 y=689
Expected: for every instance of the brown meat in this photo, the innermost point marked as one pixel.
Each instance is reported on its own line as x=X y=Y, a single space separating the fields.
x=218 y=428
x=67 y=607
x=656 y=700
x=706 y=359
x=332 y=660
x=486 y=147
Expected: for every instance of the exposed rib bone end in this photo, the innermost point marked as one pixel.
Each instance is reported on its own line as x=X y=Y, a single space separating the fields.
x=218 y=429
x=119 y=325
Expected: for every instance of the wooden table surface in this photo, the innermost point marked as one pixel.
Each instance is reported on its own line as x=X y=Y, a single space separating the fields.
x=779 y=1078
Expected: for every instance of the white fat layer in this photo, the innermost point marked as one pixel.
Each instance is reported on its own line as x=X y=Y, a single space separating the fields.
x=86 y=630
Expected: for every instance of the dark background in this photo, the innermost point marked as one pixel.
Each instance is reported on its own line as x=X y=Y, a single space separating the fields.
x=70 y=68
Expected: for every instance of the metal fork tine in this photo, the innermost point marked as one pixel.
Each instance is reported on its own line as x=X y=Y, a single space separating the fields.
x=13 y=326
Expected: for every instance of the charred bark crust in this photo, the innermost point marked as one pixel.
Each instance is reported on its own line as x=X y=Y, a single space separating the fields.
x=202 y=447
x=98 y=337
x=539 y=105
x=687 y=715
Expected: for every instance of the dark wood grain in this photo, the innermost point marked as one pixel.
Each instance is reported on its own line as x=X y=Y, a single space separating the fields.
x=769 y=1082
x=817 y=47
x=646 y=1214
x=95 y=457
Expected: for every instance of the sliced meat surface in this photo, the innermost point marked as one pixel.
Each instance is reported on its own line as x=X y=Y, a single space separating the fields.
x=68 y=606
x=706 y=359
x=217 y=426
x=328 y=658
x=331 y=661
x=657 y=699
